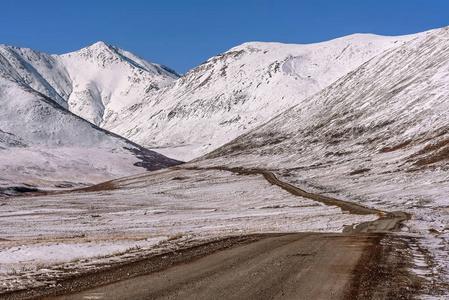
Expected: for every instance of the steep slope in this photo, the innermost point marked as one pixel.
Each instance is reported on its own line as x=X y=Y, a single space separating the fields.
x=238 y=90
x=39 y=71
x=44 y=145
x=93 y=82
x=379 y=136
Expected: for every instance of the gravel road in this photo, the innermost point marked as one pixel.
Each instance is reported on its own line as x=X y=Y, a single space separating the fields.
x=292 y=266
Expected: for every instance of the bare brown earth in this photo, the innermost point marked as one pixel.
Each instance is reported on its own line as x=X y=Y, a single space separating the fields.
x=365 y=262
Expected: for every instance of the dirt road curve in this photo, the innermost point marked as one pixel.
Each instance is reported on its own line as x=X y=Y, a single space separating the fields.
x=387 y=222
x=293 y=266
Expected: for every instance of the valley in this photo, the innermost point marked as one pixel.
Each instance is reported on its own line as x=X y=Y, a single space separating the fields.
x=275 y=162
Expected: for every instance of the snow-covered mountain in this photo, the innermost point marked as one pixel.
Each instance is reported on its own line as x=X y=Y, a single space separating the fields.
x=238 y=90
x=210 y=105
x=44 y=145
x=106 y=79
x=39 y=71
x=95 y=82
x=387 y=118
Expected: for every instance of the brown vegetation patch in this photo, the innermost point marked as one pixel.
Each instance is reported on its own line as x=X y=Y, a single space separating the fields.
x=338 y=153
x=179 y=178
x=436 y=157
x=394 y=148
x=432 y=147
x=360 y=171
x=105 y=186
x=440 y=152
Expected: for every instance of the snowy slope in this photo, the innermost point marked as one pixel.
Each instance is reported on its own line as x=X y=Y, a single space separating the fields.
x=93 y=82
x=379 y=135
x=389 y=115
x=210 y=105
x=238 y=90
x=44 y=145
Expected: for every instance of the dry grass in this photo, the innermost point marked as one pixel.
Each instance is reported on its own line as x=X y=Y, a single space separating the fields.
x=434 y=158
x=394 y=148
x=105 y=186
x=431 y=154
x=360 y=171
x=432 y=147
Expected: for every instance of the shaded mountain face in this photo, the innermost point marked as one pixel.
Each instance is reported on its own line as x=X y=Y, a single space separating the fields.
x=44 y=145
x=378 y=134
x=238 y=90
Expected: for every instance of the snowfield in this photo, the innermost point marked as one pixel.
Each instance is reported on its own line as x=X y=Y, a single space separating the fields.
x=93 y=82
x=44 y=235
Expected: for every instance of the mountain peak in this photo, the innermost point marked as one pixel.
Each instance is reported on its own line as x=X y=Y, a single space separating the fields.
x=99 y=47
x=99 y=44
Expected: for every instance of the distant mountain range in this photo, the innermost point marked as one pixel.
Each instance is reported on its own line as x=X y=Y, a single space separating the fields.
x=93 y=83
x=151 y=105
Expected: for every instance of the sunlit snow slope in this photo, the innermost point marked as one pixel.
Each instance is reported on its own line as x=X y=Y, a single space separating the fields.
x=95 y=82
x=107 y=79
x=210 y=105
x=238 y=90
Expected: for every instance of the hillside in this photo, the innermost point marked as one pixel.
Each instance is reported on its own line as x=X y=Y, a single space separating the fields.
x=208 y=106
x=385 y=119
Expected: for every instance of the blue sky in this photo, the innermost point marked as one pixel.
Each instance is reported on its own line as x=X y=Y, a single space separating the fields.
x=184 y=33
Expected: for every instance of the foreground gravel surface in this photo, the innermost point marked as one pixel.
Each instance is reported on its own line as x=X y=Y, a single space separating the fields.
x=290 y=266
